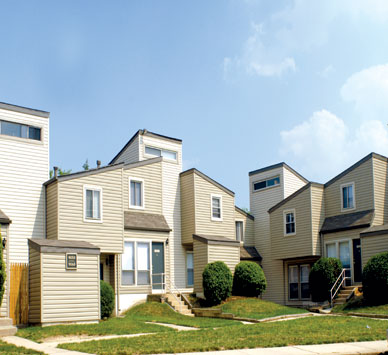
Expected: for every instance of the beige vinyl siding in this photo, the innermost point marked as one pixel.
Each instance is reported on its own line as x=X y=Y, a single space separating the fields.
x=350 y=234
x=4 y=312
x=317 y=217
x=362 y=176
x=297 y=245
x=201 y=259
x=248 y=226
x=161 y=144
x=108 y=235
x=152 y=176
x=34 y=311
x=230 y=255
x=52 y=211
x=203 y=210
x=372 y=245
x=292 y=182
x=131 y=153
x=24 y=167
x=188 y=208
x=274 y=273
x=380 y=191
x=70 y=295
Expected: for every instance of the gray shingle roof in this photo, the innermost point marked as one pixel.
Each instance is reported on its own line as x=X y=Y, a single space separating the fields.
x=249 y=253
x=4 y=218
x=375 y=230
x=215 y=239
x=347 y=221
x=145 y=221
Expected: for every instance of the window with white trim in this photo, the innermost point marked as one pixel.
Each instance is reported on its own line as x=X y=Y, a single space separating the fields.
x=298 y=282
x=136 y=263
x=20 y=130
x=263 y=184
x=136 y=193
x=157 y=152
x=216 y=207
x=190 y=268
x=347 y=196
x=92 y=203
x=240 y=231
x=289 y=222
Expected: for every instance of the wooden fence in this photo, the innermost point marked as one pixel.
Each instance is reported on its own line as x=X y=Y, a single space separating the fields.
x=18 y=296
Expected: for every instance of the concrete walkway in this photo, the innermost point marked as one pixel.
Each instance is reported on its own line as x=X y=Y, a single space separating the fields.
x=365 y=347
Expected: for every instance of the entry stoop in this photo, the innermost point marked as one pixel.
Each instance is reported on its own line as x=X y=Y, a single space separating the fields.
x=178 y=304
x=6 y=327
x=344 y=295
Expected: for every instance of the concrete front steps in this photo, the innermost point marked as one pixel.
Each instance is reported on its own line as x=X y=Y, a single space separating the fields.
x=6 y=327
x=177 y=302
x=343 y=295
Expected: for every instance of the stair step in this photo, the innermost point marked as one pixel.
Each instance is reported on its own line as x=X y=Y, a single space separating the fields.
x=7 y=330
x=5 y=322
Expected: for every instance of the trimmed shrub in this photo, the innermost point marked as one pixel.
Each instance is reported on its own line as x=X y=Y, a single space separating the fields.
x=375 y=279
x=217 y=282
x=248 y=280
x=3 y=273
x=107 y=297
x=322 y=276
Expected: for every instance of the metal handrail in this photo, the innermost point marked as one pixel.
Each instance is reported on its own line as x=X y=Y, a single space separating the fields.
x=341 y=277
x=179 y=292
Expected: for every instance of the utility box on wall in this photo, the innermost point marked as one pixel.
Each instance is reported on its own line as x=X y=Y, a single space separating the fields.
x=64 y=282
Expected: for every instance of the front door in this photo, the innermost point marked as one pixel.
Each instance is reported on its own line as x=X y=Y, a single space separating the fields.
x=158 y=278
x=357 y=260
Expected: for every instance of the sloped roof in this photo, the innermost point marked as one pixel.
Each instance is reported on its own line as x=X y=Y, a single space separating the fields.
x=145 y=221
x=240 y=210
x=22 y=109
x=215 y=239
x=275 y=166
x=4 y=218
x=347 y=221
x=63 y=246
x=249 y=253
x=375 y=230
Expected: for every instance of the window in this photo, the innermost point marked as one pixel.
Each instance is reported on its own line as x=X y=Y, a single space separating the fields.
x=341 y=250
x=93 y=204
x=135 y=263
x=190 y=269
x=266 y=183
x=347 y=196
x=156 y=152
x=216 y=206
x=289 y=222
x=298 y=282
x=136 y=193
x=20 y=130
x=239 y=231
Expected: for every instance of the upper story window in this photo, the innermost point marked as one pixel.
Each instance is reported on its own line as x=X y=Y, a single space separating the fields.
x=156 y=152
x=259 y=185
x=20 y=130
x=240 y=231
x=216 y=207
x=347 y=196
x=136 y=193
x=93 y=204
x=289 y=222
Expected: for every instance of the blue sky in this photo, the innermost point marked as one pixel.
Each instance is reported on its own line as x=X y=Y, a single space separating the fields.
x=245 y=84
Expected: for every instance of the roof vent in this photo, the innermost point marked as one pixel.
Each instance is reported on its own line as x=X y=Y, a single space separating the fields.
x=98 y=164
x=55 y=171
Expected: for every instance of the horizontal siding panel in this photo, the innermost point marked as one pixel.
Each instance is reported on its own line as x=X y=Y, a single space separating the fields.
x=188 y=208
x=373 y=245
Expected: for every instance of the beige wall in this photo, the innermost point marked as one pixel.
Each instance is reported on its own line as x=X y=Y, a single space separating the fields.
x=70 y=295
x=4 y=311
x=248 y=226
x=188 y=208
x=108 y=235
x=131 y=153
x=35 y=292
x=380 y=191
x=317 y=216
x=201 y=259
x=52 y=211
x=230 y=255
x=362 y=176
x=372 y=245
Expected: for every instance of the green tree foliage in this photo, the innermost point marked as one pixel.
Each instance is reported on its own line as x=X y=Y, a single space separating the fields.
x=217 y=282
x=60 y=172
x=322 y=276
x=375 y=280
x=86 y=165
x=248 y=280
x=107 y=297
x=3 y=273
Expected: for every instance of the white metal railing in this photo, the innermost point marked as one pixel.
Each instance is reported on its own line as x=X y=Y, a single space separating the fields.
x=338 y=284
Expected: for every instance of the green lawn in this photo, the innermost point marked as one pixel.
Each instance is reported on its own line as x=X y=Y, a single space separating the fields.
x=6 y=348
x=311 y=330
x=257 y=308
x=358 y=306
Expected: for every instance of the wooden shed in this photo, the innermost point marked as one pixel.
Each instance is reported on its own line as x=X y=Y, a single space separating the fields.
x=64 y=282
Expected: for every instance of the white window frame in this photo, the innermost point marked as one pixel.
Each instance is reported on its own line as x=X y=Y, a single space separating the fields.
x=216 y=219
x=337 y=250
x=187 y=279
x=161 y=152
x=298 y=267
x=235 y=226
x=93 y=188
x=135 y=179
x=285 y=212
x=267 y=187
x=342 y=196
x=135 y=242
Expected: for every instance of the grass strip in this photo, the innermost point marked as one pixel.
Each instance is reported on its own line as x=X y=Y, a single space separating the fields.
x=304 y=331
x=6 y=348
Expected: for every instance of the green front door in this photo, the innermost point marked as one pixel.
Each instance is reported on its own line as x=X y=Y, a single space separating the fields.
x=158 y=278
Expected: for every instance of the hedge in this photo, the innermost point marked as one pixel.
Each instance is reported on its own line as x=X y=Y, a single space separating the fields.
x=217 y=282
x=107 y=297
x=248 y=280
x=375 y=280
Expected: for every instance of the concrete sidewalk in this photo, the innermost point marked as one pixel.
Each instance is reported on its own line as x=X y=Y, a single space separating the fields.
x=364 y=347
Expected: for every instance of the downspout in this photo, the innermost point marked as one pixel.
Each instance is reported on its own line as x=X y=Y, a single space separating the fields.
x=322 y=246
x=117 y=285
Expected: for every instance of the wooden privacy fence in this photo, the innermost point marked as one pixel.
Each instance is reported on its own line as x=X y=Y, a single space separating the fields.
x=18 y=295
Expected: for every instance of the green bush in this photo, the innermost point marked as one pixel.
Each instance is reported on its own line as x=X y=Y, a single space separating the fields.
x=248 y=280
x=3 y=273
x=217 y=282
x=375 y=280
x=107 y=297
x=322 y=276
